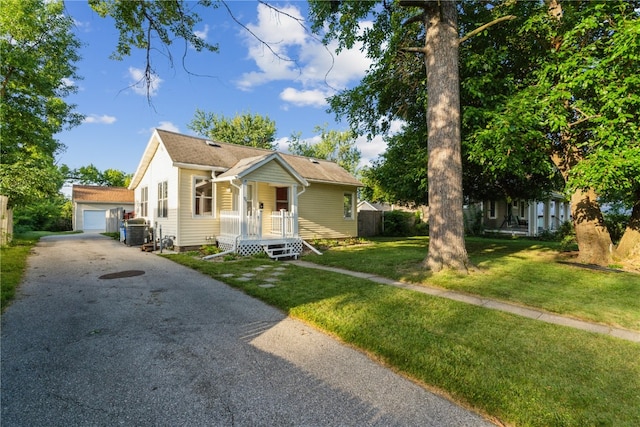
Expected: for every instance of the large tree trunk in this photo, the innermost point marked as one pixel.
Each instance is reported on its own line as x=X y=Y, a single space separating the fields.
x=446 y=225
x=629 y=246
x=594 y=242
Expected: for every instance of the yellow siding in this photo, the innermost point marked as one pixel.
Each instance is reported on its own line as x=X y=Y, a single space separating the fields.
x=273 y=173
x=193 y=230
x=267 y=196
x=224 y=198
x=322 y=213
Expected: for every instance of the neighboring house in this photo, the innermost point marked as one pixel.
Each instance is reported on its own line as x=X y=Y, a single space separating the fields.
x=94 y=205
x=526 y=217
x=246 y=199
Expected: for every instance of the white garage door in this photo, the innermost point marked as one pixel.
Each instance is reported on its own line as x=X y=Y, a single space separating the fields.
x=94 y=220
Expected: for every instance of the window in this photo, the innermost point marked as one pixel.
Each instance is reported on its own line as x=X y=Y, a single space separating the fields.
x=163 y=211
x=250 y=198
x=144 y=201
x=492 y=209
x=522 y=209
x=348 y=205
x=202 y=197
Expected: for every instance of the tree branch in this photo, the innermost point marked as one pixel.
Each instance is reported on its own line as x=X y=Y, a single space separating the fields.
x=413 y=3
x=485 y=26
x=417 y=18
x=414 y=49
x=582 y=120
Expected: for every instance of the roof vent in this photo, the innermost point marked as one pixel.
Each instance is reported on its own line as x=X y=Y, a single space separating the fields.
x=314 y=161
x=211 y=143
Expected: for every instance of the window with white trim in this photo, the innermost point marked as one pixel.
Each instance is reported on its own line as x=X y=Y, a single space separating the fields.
x=202 y=196
x=348 y=205
x=144 y=201
x=163 y=199
x=492 y=209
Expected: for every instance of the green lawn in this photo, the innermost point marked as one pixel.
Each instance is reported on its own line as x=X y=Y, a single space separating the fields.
x=522 y=271
x=519 y=371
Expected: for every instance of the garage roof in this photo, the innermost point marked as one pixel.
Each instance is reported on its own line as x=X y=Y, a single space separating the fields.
x=95 y=193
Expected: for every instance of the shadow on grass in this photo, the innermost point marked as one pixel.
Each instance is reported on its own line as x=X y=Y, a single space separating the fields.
x=518 y=370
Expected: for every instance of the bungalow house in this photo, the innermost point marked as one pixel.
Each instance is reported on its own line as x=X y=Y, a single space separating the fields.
x=94 y=205
x=525 y=217
x=247 y=200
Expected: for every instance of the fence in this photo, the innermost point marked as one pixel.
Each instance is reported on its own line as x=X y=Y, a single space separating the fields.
x=114 y=220
x=370 y=223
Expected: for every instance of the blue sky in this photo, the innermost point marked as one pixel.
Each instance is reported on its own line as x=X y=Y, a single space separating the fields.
x=243 y=77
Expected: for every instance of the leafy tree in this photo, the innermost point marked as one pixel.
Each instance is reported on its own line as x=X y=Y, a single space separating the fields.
x=48 y=214
x=579 y=107
x=399 y=30
x=91 y=175
x=335 y=146
x=249 y=129
x=38 y=51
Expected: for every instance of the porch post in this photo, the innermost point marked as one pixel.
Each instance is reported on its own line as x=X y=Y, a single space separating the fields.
x=546 y=214
x=243 y=209
x=556 y=214
x=533 y=217
x=294 y=209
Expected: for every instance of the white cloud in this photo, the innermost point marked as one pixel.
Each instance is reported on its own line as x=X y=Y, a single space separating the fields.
x=283 y=50
x=371 y=150
x=139 y=85
x=164 y=125
x=303 y=98
x=169 y=126
x=103 y=119
x=202 y=34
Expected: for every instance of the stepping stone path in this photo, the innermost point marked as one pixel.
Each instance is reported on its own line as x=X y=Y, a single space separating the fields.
x=245 y=277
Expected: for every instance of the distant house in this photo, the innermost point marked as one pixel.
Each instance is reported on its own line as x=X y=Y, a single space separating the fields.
x=247 y=200
x=525 y=217
x=93 y=204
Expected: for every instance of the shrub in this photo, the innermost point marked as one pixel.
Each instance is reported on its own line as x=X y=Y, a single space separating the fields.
x=473 y=221
x=616 y=222
x=398 y=223
x=209 y=250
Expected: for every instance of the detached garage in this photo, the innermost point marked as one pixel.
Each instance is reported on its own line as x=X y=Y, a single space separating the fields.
x=91 y=205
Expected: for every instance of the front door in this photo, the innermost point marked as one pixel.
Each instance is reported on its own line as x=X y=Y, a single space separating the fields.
x=282 y=198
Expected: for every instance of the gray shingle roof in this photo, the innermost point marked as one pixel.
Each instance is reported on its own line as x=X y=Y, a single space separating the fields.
x=192 y=150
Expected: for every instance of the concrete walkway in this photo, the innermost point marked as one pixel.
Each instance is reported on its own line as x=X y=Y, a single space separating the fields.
x=529 y=312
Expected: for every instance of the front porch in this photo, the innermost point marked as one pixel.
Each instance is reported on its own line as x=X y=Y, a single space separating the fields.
x=254 y=233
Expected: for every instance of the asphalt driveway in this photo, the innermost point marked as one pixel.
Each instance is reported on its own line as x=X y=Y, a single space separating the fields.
x=153 y=343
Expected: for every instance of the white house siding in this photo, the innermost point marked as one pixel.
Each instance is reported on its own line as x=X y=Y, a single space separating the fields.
x=194 y=230
x=273 y=173
x=160 y=169
x=322 y=213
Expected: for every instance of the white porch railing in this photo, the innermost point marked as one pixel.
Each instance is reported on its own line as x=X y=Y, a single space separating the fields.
x=229 y=223
x=282 y=224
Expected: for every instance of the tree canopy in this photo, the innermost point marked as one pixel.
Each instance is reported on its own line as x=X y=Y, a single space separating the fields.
x=91 y=175
x=38 y=51
x=336 y=146
x=249 y=129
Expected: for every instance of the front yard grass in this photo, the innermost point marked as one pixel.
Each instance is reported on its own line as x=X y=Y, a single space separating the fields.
x=522 y=271
x=516 y=370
